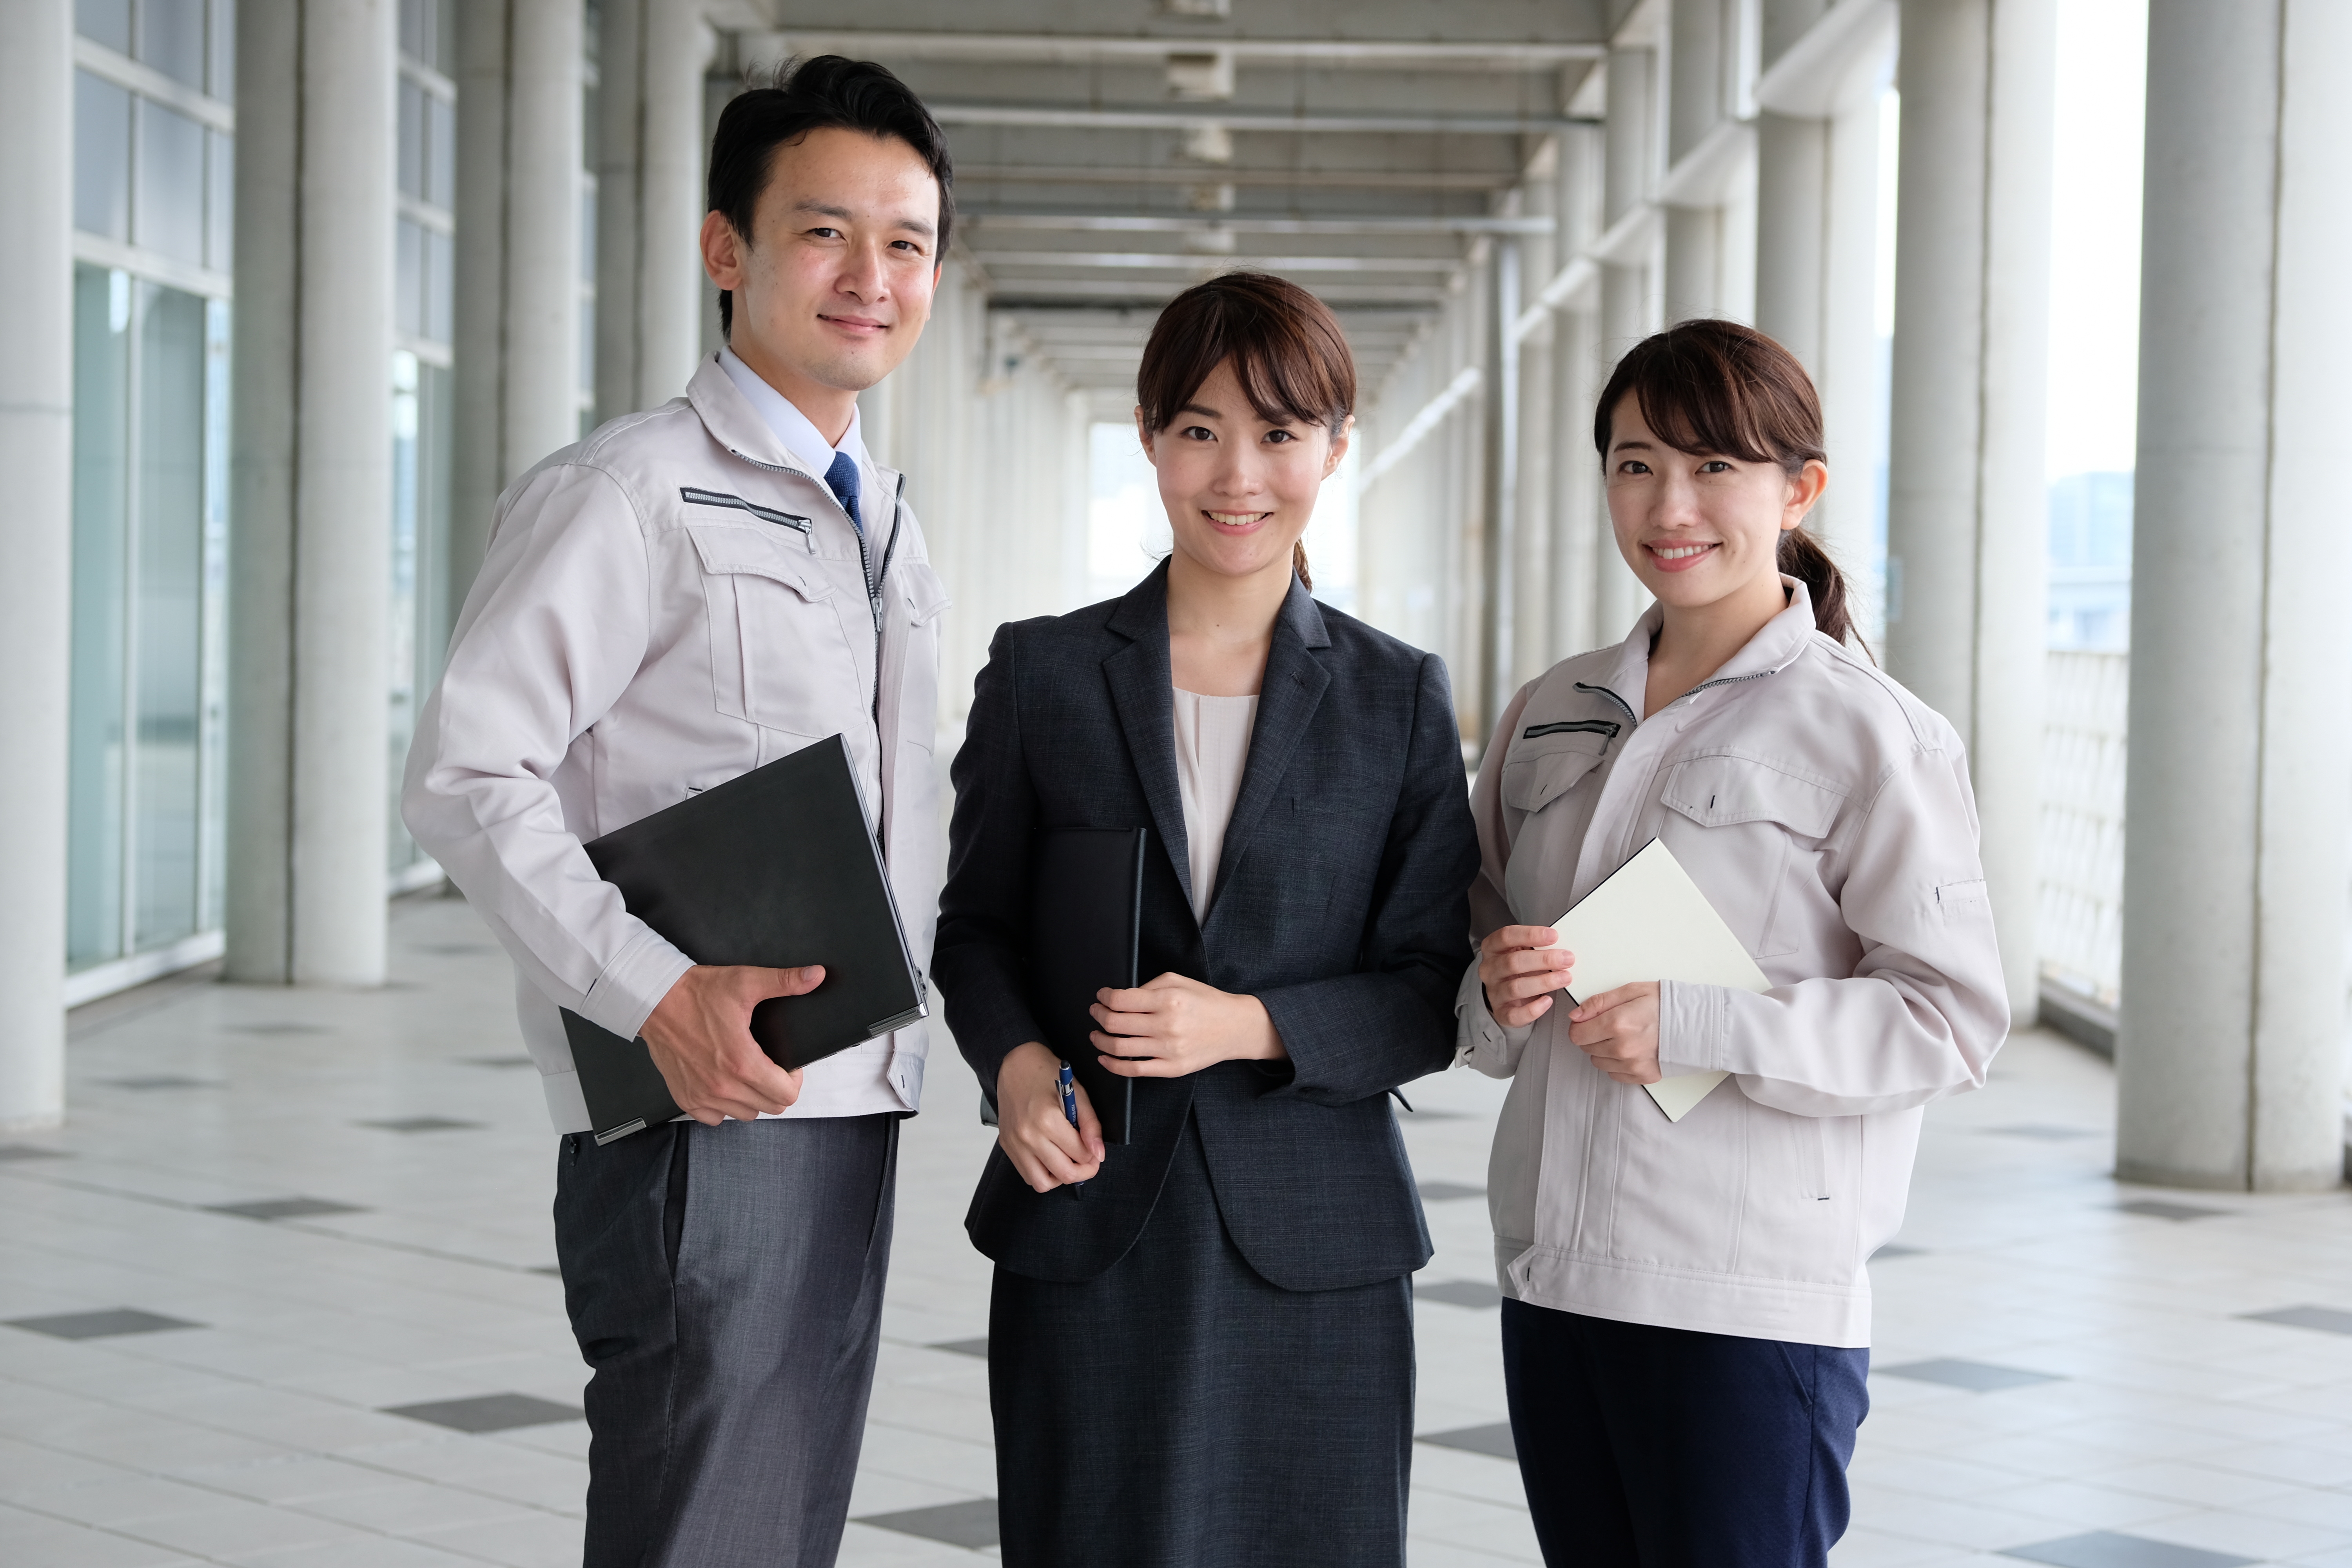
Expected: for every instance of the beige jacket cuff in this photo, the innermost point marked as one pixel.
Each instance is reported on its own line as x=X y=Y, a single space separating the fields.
x=634 y=983
x=1478 y=1040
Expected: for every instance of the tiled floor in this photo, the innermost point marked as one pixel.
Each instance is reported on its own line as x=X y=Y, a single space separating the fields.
x=280 y=1294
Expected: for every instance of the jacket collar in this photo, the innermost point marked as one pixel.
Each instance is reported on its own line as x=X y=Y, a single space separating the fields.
x=735 y=425
x=1773 y=648
x=1142 y=694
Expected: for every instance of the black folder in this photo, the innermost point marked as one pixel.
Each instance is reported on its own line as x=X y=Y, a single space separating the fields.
x=1086 y=930
x=776 y=868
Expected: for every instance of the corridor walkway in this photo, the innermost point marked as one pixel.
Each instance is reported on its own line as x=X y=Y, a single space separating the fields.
x=281 y=1294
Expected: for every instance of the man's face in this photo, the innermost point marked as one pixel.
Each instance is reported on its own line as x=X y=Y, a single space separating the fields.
x=836 y=283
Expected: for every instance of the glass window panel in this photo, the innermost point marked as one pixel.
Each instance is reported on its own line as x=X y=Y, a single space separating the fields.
x=220 y=204
x=407 y=279
x=102 y=157
x=96 y=744
x=416 y=30
x=404 y=694
x=224 y=50
x=588 y=229
x=167 y=630
x=441 y=151
x=445 y=37
x=440 y=288
x=172 y=38
x=411 y=138
x=588 y=345
x=212 y=844
x=169 y=215
x=104 y=22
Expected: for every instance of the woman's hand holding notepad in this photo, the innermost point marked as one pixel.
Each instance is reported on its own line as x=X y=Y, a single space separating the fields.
x=1648 y=920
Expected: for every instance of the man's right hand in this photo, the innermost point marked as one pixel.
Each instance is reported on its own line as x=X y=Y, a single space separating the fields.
x=700 y=1036
x=1031 y=1129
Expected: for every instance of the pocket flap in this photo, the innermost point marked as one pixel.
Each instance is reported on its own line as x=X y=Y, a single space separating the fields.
x=1715 y=792
x=1533 y=781
x=926 y=595
x=755 y=552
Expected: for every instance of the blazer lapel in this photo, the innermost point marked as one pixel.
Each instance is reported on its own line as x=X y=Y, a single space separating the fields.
x=1287 y=699
x=1146 y=706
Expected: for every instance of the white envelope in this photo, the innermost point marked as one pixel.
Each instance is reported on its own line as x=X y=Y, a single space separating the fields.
x=1649 y=922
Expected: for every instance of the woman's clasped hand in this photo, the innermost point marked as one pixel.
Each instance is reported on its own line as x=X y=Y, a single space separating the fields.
x=1522 y=968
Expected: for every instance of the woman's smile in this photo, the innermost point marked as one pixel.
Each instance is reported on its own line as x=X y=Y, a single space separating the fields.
x=1235 y=521
x=1679 y=557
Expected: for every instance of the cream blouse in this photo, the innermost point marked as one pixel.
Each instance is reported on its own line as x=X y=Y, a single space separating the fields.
x=1213 y=739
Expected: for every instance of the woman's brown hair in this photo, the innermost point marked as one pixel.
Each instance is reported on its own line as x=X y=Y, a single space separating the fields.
x=1719 y=388
x=1287 y=350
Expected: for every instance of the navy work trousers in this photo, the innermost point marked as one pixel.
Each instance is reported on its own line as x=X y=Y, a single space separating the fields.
x=1649 y=1448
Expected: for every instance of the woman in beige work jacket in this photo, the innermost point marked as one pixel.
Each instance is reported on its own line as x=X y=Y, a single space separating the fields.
x=1688 y=1313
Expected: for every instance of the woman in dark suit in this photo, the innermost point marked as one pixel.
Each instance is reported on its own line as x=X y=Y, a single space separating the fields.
x=1209 y=1361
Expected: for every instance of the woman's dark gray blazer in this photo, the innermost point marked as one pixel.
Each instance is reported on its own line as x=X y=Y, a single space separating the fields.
x=1341 y=904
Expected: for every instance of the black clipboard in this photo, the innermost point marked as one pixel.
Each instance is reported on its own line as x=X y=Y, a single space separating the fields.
x=776 y=868
x=1086 y=931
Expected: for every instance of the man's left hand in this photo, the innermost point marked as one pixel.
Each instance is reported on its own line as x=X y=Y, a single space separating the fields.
x=1619 y=1030
x=1173 y=1026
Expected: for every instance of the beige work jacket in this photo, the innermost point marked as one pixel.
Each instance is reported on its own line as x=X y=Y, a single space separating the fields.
x=1826 y=814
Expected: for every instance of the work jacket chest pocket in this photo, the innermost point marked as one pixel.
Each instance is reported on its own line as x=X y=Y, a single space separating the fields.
x=921 y=599
x=1764 y=827
x=1537 y=772
x=779 y=656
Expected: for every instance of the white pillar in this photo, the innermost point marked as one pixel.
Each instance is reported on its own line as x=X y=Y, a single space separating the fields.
x=2230 y=1063
x=518 y=166
x=1792 y=181
x=1965 y=513
x=1500 y=644
x=1695 y=103
x=1628 y=300
x=37 y=454
x=1576 y=370
x=1531 y=559
x=649 y=202
x=312 y=476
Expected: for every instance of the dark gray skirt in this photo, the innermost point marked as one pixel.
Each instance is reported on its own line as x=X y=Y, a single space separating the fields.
x=1180 y=1412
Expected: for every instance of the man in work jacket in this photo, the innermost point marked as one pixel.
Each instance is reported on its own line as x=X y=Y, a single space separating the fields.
x=689 y=592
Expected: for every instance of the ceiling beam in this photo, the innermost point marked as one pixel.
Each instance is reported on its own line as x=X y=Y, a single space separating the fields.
x=1223 y=175
x=1231 y=223
x=1150 y=294
x=1069 y=118
x=1220 y=261
x=1390 y=54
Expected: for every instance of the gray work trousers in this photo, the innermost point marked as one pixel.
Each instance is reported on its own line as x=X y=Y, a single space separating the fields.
x=725 y=1283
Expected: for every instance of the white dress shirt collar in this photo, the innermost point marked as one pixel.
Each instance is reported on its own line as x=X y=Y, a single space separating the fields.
x=800 y=438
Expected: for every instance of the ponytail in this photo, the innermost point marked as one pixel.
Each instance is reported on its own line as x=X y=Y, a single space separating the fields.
x=1298 y=565
x=1803 y=557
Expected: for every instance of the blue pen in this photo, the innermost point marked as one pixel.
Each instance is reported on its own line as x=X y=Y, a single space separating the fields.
x=1070 y=1110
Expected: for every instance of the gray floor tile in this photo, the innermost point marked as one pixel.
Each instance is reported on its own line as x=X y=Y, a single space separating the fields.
x=1896 y=1249
x=29 y=1152
x=1473 y=1294
x=1494 y=1440
x=2157 y=1208
x=2327 y=1319
x=978 y=1347
x=511 y=1061
x=2105 y=1548
x=487 y=1413
x=1977 y=1377
x=101 y=1325
x=418 y=1124
x=284 y=1208
x=281 y=1028
x=968 y=1524
x=1443 y=1192
x=162 y=1080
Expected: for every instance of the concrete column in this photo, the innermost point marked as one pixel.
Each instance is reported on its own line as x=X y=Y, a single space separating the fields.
x=1532 y=540
x=1575 y=367
x=1967 y=515
x=518 y=166
x=1793 y=183
x=1502 y=489
x=312 y=492
x=649 y=202
x=1696 y=56
x=2229 y=1060
x=36 y=124
x=1629 y=308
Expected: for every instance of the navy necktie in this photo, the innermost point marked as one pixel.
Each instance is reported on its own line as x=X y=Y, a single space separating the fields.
x=842 y=479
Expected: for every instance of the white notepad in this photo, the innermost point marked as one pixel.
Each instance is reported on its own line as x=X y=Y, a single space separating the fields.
x=1649 y=922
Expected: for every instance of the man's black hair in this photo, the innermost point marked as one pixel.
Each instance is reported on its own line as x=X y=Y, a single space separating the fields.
x=814 y=95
